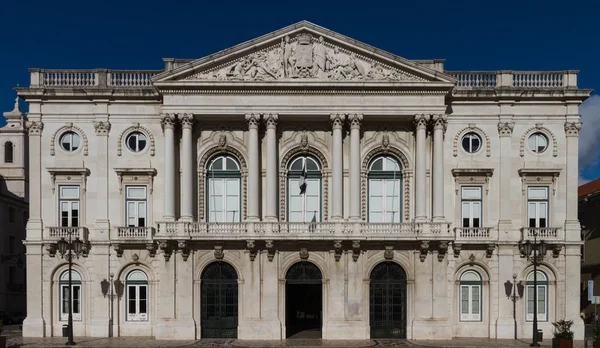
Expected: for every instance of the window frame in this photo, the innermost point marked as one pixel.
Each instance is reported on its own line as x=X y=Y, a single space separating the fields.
x=9 y=152
x=63 y=284
x=470 y=285
x=385 y=176
x=137 y=134
x=537 y=202
x=70 y=203
x=70 y=133
x=541 y=284
x=471 y=135
x=137 y=202
x=538 y=135
x=471 y=202
x=212 y=176
x=311 y=175
x=137 y=285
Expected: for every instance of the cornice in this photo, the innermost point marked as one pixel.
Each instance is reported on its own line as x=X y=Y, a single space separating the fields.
x=301 y=91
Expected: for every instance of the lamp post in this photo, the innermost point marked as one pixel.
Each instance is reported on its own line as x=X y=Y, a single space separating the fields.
x=68 y=250
x=514 y=298
x=539 y=251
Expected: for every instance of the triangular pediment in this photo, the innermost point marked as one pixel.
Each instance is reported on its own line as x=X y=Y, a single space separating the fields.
x=303 y=52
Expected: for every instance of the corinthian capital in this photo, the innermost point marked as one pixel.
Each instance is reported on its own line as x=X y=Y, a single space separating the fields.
x=505 y=129
x=439 y=121
x=421 y=121
x=337 y=120
x=187 y=120
x=168 y=121
x=34 y=127
x=572 y=129
x=253 y=120
x=271 y=120
x=102 y=127
x=355 y=120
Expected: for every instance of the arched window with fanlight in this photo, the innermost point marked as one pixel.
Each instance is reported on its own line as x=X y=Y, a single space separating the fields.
x=224 y=186
x=542 y=296
x=470 y=296
x=70 y=295
x=304 y=190
x=8 y=152
x=385 y=190
x=137 y=296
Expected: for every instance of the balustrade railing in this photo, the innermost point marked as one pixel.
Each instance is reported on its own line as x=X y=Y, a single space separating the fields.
x=135 y=232
x=383 y=228
x=92 y=78
x=130 y=78
x=473 y=232
x=542 y=233
x=517 y=79
x=58 y=232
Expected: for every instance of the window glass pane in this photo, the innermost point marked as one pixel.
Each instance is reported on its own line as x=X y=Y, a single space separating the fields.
x=532 y=143
x=466 y=143
x=132 y=292
x=231 y=164
x=65 y=299
x=471 y=193
x=76 y=299
x=541 y=300
x=377 y=165
x=474 y=143
x=232 y=186
x=311 y=165
x=297 y=164
x=136 y=192
x=375 y=217
x=391 y=164
x=217 y=164
x=470 y=276
x=464 y=295
x=131 y=307
x=313 y=187
x=131 y=214
x=543 y=210
x=475 y=299
x=69 y=192
x=215 y=186
x=529 y=299
x=141 y=209
x=75 y=141
x=375 y=188
x=538 y=193
x=132 y=142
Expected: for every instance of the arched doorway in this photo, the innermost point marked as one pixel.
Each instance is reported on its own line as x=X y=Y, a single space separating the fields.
x=304 y=301
x=219 y=301
x=387 y=301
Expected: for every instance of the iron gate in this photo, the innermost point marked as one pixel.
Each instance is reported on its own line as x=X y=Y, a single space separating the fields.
x=219 y=304
x=388 y=301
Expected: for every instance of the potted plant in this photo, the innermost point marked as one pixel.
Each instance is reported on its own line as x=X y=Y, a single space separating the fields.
x=563 y=336
x=2 y=338
x=597 y=334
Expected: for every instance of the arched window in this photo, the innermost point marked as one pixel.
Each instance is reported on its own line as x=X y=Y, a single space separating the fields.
x=67 y=295
x=137 y=296
x=542 y=297
x=470 y=296
x=385 y=190
x=224 y=186
x=8 y=152
x=304 y=190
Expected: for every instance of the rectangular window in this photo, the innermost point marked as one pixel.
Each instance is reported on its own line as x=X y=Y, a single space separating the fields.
x=471 y=206
x=137 y=302
x=304 y=207
x=542 y=302
x=136 y=206
x=537 y=206
x=384 y=200
x=224 y=200
x=470 y=303
x=11 y=244
x=68 y=203
x=64 y=299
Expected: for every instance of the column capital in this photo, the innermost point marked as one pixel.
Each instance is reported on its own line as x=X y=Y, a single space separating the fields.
x=439 y=121
x=253 y=120
x=168 y=120
x=34 y=127
x=186 y=119
x=505 y=129
x=337 y=120
x=572 y=128
x=271 y=120
x=355 y=120
x=421 y=121
x=102 y=127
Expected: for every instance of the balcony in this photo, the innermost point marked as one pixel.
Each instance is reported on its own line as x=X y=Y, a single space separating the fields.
x=515 y=79
x=543 y=233
x=134 y=234
x=475 y=234
x=99 y=78
x=58 y=232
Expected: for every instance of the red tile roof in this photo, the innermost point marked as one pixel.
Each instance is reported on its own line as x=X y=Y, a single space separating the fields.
x=590 y=187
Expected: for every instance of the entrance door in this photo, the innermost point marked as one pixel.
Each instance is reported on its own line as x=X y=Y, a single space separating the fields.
x=388 y=301
x=304 y=301
x=219 y=311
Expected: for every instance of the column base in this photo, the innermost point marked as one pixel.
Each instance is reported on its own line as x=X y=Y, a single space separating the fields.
x=355 y=219
x=168 y=218
x=175 y=329
x=271 y=219
x=186 y=219
x=431 y=329
x=421 y=219
x=34 y=327
x=438 y=219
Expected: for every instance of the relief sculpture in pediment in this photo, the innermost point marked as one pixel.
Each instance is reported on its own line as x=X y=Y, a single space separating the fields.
x=304 y=57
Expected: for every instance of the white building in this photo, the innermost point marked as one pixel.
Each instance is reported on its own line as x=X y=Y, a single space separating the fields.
x=420 y=185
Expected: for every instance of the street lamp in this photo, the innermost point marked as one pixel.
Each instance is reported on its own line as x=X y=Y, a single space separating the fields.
x=539 y=251
x=68 y=250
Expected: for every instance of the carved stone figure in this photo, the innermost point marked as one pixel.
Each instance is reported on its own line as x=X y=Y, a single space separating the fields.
x=320 y=58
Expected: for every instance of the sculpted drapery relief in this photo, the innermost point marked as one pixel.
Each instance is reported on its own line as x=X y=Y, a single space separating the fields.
x=304 y=57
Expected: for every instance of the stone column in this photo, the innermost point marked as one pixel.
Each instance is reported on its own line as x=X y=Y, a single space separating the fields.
x=272 y=190
x=253 y=167
x=439 y=127
x=355 y=196
x=34 y=225
x=337 y=171
x=102 y=129
x=168 y=123
x=572 y=224
x=505 y=130
x=187 y=168
x=420 y=169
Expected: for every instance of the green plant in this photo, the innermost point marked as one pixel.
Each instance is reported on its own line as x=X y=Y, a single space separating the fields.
x=562 y=329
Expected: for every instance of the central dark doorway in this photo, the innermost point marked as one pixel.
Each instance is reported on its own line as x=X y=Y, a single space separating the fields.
x=219 y=301
x=304 y=301
x=388 y=301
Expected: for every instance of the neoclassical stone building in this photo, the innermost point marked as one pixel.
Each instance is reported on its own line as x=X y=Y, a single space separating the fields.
x=302 y=181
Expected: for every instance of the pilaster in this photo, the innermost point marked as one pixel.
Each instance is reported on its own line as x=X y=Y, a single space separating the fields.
x=168 y=123
x=439 y=128
x=572 y=226
x=505 y=130
x=102 y=224
x=337 y=171
x=187 y=167
x=253 y=167
x=272 y=166
x=420 y=167
x=34 y=225
x=355 y=165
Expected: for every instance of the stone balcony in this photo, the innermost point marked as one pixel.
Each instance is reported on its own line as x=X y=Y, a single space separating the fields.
x=547 y=234
x=515 y=79
x=133 y=234
x=55 y=233
x=475 y=234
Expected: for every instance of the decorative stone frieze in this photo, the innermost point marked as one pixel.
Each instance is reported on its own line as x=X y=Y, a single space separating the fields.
x=439 y=121
x=271 y=120
x=442 y=250
x=184 y=249
x=102 y=127
x=51 y=249
x=151 y=248
x=166 y=249
x=270 y=245
x=168 y=120
x=505 y=129
x=118 y=249
x=456 y=248
x=556 y=250
x=337 y=120
x=355 y=120
x=253 y=120
x=186 y=120
x=489 y=251
x=572 y=129
x=34 y=128
x=304 y=254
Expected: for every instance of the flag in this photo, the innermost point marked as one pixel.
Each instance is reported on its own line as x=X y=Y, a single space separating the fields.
x=313 y=223
x=303 y=182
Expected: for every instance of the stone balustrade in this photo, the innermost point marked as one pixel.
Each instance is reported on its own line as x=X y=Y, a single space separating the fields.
x=58 y=232
x=475 y=233
x=134 y=233
x=542 y=233
x=99 y=78
x=516 y=79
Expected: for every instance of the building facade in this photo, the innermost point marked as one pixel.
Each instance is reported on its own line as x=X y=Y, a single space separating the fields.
x=589 y=204
x=302 y=181
x=13 y=213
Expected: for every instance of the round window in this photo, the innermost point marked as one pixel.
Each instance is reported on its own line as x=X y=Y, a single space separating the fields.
x=471 y=142
x=538 y=142
x=136 y=141
x=70 y=141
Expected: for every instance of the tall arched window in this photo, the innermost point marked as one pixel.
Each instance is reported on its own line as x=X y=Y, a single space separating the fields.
x=304 y=190
x=67 y=295
x=385 y=190
x=137 y=296
x=542 y=297
x=470 y=296
x=224 y=186
x=8 y=152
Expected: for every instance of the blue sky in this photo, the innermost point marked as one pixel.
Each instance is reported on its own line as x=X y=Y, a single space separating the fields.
x=470 y=35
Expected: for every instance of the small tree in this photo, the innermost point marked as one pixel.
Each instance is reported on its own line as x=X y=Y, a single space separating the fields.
x=562 y=329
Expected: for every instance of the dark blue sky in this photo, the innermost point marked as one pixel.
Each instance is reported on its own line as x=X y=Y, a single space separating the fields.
x=470 y=35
